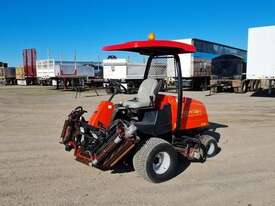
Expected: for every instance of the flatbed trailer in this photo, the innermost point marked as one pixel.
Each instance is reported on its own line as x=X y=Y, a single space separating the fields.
x=66 y=74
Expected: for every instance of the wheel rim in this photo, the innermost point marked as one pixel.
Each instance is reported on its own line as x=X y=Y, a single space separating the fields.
x=211 y=149
x=161 y=162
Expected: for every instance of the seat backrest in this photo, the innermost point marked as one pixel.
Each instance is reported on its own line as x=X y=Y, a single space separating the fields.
x=146 y=89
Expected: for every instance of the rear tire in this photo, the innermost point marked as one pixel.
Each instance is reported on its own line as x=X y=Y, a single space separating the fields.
x=156 y=160
x=210 y=144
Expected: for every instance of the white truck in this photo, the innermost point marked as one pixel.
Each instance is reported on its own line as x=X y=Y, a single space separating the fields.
x=130 y=74
x=261 y=50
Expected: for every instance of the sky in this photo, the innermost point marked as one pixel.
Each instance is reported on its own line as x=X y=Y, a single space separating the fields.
x=58 y=27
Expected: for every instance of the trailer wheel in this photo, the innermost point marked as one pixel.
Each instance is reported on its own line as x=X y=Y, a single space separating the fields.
x=256 y=84
x=244 y=87
x=210 y=144
x=156 y=160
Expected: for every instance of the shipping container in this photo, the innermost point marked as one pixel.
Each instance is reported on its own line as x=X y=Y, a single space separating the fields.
x=29 y=65
x=7 y=72
x=7 y=75
x=10 y=73
x=260 y=60
x=29 y=62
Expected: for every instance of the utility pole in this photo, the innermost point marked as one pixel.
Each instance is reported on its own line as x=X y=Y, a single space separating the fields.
x=49 y=53
x=75 y=59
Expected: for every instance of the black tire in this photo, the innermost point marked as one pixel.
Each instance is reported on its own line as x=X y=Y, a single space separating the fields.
x=244 y=87
x=209 y=142
x=145 y=164
x=256 y=85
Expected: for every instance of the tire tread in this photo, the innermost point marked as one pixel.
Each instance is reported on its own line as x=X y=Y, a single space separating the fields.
x=143 y=153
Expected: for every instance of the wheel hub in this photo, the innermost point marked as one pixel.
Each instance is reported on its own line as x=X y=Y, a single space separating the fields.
x=211 y=149
x=161 y=162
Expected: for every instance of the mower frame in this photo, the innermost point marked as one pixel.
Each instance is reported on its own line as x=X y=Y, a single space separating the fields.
x=106 y=139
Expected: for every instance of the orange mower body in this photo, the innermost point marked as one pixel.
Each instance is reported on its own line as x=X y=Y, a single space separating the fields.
x=193 y=116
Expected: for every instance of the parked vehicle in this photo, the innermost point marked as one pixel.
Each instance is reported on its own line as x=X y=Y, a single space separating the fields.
x=229 y=73
x=29 y=65
x=152 y=129
x=260 y=60
x=129 y=74
x=199 y=65
x=233 y=72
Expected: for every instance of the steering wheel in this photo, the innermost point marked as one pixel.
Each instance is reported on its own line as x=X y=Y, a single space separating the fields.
x=117 y=86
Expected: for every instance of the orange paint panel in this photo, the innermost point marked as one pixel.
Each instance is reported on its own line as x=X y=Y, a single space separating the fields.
x=102 y=115
x=193 y=115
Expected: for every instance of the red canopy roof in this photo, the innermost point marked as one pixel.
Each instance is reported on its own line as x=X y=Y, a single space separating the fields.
x=153 y=47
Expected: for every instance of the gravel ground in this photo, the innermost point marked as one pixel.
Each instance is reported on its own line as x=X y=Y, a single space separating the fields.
x=35 y=170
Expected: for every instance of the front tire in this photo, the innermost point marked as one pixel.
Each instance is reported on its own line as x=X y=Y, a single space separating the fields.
x=156 y=160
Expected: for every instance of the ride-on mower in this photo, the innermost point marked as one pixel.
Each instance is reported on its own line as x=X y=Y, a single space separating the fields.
x=152 y=129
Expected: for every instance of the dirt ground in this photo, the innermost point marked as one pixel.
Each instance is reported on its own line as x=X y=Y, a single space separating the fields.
x=35 y=170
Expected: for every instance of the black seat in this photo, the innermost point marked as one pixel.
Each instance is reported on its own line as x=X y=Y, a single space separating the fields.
x=156 y=122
